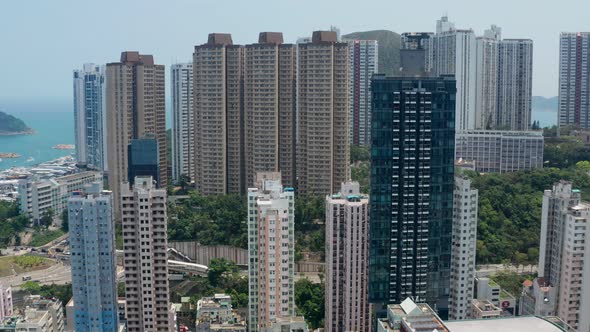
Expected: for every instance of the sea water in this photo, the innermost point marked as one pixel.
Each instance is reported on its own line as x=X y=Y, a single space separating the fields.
x=53 y=123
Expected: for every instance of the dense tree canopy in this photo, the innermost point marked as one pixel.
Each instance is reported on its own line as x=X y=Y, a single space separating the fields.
x=509 y=220
x=309 y=299
x=211 y=220
x=11 y=223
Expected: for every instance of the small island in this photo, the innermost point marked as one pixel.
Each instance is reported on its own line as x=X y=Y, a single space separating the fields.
x=10 y=125
x=9 y=155
x=64 y=147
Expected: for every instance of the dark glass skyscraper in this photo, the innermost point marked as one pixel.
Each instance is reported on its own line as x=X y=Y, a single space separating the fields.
x=412 y=152
x=143 y=159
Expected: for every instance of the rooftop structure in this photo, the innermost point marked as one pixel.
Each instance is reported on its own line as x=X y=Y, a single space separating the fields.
x=216 y=314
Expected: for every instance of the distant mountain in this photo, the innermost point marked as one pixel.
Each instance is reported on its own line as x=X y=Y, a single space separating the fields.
x=10 y=125
x=389 y=45
x=544 y=104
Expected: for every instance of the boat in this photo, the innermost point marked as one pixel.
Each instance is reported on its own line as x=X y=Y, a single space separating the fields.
x=30 y=159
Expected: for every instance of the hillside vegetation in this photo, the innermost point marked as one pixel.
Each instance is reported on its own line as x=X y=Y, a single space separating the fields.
x=11 y=125
x=389 y=45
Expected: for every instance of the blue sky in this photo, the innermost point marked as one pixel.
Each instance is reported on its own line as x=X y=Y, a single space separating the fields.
x=42 y=41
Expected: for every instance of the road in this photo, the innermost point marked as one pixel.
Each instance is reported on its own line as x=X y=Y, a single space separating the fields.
x=56 y=274
x=490 y=269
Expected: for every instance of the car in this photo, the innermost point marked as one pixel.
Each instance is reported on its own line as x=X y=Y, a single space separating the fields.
x=43 y=250
x=27 y=278
x=33 y=249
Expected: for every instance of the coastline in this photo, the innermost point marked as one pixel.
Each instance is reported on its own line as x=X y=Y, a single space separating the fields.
x=16 y=133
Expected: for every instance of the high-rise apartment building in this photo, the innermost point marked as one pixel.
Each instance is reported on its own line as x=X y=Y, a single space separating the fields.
x=574 y=79
x=183 y=123
x=271 y=251
x=486 y=80
x=249 y=125
x=6 y=309
x=89 y=117
x=218 y=115
x=454 y=53
x=420 y=41
x=347 y=251
x=135 y=96
x=362 y=65
x=269 y=107
x=463 y=251
x=501 y=151
x=515 y=82
x=143 y=211
x=93 y=261
x=413 y=139
x=322 y=133
x=564 y=256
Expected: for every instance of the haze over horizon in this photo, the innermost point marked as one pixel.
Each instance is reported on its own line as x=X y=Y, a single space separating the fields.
x=45 y=41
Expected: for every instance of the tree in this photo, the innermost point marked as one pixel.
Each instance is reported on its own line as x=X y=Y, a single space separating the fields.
x=220 y=269
x=47 y=218
x=64 y=220
x=359 y=153
x=309 y=299
x=583 y=165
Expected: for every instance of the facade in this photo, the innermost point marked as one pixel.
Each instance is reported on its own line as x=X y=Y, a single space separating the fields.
x=574 y=79
x=347 y=232
x=515 y=82
x=323 y=124
x=362 y=65
x=464 y=246
x=143 y=210
x=454 y=53
x=269 y=107
x=183 y=122
x=89 y=117
x=37 y=197
x=135 y=96
x=420 y=41
x=93 y=262
x=411 y=200
x=538 y=298
x=143 y=159
x=6 y=309
x=487 y=62
x=498 y=151
x=216 y=314
x=564 y=256
x=271 y=248
x=218 y=116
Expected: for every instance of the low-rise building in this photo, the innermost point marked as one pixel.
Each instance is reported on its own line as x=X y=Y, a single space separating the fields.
x=216 y=314
x=484 y=309
x=39 y=196
x=409 y=316
x=499 y=151
x=487 y=289
x=39 y=315
x=419 y=317
x=286 y=324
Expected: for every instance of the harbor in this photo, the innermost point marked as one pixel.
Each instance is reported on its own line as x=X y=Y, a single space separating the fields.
x=10 y=178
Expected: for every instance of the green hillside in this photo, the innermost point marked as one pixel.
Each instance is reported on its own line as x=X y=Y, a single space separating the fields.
x=389 y=45
x=9 y=124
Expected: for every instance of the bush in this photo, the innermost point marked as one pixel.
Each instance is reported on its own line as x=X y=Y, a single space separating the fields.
x=27 y=261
